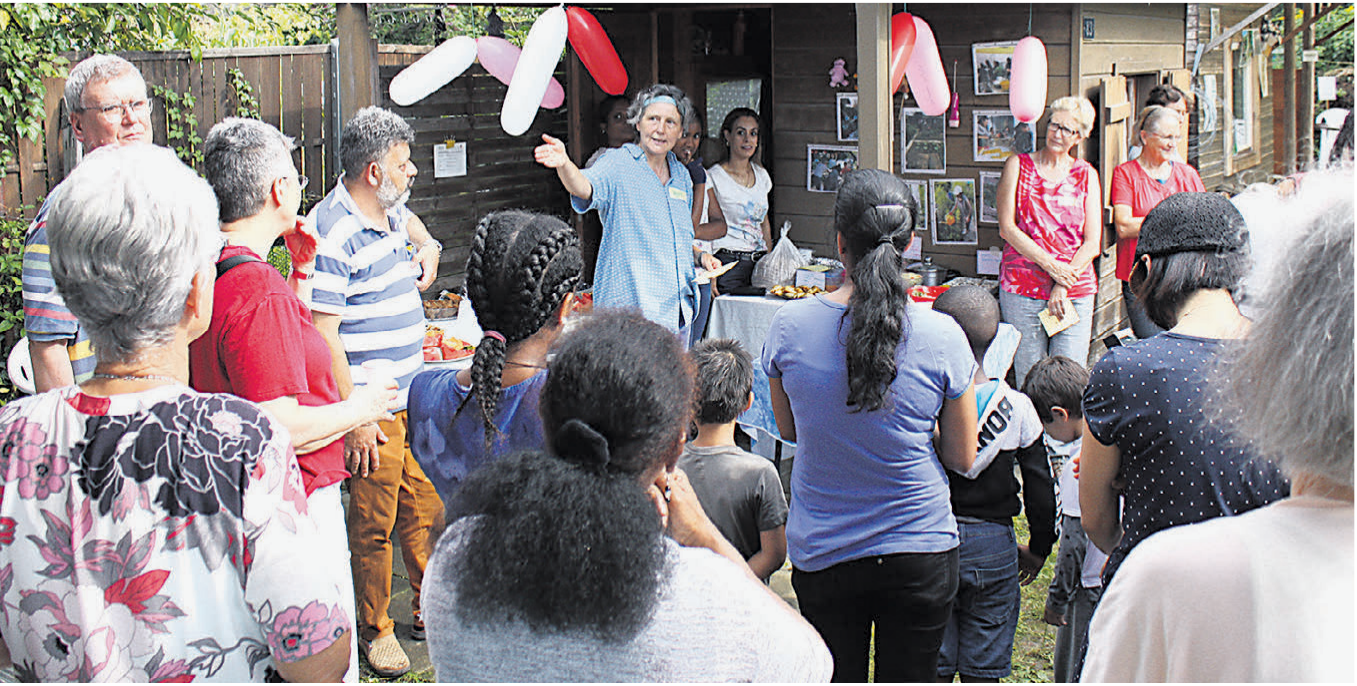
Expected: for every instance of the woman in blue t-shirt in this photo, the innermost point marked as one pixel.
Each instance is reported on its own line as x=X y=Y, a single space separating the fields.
x=521 y=278
x=859 y=379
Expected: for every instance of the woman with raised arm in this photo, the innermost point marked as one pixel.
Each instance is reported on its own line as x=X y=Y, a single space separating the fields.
x=859 y=379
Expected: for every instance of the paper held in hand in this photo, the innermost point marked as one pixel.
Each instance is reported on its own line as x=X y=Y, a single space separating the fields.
x=704 y=275
x=1055 y=325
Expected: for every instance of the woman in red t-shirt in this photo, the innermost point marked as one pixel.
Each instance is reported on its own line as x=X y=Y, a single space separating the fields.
x=1049 y=208
x=1139 y=185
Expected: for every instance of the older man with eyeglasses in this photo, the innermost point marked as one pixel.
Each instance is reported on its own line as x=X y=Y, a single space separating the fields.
x=106 y=98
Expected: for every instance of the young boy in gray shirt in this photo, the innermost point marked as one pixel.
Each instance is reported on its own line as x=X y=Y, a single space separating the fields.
x=739 y=491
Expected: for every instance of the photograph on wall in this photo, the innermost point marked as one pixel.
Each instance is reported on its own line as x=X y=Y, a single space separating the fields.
x=993 y=62
x=923 y=142
x=919 y=189
x=989 y=197
x=847 y=107
x=953 y=216
x=996 y=135
x=826 y=165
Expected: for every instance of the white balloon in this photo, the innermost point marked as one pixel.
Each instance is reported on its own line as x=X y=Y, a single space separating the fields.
x=541 y=52
x=441 y=65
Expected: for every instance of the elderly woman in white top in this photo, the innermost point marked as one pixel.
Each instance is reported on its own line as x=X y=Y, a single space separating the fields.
x=1266 y=595
x=150 y=532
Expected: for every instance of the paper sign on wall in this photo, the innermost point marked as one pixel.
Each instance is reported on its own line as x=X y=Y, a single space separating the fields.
x=987 y=261
x=1327 y=87
x=449 y=160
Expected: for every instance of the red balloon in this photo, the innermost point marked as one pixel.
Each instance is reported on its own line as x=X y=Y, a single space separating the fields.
x=596 y=51
x=1027 y=83
x=902 y=45
x=927 y=78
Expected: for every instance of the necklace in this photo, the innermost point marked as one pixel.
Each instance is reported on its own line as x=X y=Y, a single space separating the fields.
x=511 y=363
x=136 y=377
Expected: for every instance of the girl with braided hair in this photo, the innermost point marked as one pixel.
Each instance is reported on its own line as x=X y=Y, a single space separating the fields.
x=557 y=567
x=859 y=378
x=521 y=276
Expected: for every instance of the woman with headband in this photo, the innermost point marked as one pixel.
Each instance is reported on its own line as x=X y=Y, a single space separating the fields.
x=859 y=378
x=644 y=196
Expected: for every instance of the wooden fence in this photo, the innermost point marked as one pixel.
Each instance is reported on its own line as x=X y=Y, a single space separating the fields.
x=293 y=86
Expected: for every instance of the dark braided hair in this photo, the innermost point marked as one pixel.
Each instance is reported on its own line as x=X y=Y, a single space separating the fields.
x=521 y=268
x=875 y=214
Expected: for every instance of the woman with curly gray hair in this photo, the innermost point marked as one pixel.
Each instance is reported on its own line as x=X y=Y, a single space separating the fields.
x=1266 y=595
x=644 y=196
x=150 y=532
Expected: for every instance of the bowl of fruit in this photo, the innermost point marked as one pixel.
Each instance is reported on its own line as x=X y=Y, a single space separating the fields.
x=440 y=346
x=445 y=307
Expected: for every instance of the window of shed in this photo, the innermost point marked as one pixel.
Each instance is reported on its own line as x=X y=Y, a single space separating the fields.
x=1243 y=76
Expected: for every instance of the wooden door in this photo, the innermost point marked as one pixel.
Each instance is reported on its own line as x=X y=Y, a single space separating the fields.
x=1114 y=120
x=1182 y=78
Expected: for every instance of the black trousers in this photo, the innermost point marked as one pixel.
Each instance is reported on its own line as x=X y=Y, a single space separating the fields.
x=908 y=597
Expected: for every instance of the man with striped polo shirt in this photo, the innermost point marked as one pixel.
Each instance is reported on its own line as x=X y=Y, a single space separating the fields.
x=365 y=302
x=106 y=98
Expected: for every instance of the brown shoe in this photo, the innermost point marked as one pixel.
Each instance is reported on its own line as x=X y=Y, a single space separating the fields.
x=385 y=656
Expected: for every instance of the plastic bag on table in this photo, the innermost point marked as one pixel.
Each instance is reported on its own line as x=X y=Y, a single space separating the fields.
x=780 y=264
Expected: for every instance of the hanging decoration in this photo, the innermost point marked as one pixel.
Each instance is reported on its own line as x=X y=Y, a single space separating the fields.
x=532 y=75
x=954 y=114
x=499 y=57
x=927 y=78
x=596 y=51
x=902 y=46
x=441 y=65
x=1027 y=91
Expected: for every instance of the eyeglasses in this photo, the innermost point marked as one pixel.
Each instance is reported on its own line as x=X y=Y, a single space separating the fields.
x=302 y=181
x=118 y=110
x=1172 y=138
x=1054 y=127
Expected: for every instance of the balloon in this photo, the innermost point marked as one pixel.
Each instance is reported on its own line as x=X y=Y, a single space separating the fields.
x=500 y=57
x=541 y=52
x=596 y=51
x=902 y=45
x=441 y=65
x=927 y=78
x=1027 y=85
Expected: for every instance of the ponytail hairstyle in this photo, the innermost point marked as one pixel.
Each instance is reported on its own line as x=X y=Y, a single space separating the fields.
x=875 y=214
x=570 y=542
x=522 y=266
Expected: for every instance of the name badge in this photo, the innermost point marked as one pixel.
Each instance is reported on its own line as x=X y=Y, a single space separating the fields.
x=677 y=194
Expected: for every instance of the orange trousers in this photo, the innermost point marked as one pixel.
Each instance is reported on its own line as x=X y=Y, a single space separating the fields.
x=396 y=498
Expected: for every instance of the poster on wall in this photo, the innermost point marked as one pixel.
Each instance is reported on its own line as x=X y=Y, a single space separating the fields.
x=724 y=96
x=996 y=135
x=923 y=142
x=826 y=165
x=989 y=197
x=919 y=189
x=953 y=216
x=846 y=104
x=993 y=62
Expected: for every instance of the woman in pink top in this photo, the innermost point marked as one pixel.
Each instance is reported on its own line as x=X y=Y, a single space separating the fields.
x=1139 y=185
x=1049 y=210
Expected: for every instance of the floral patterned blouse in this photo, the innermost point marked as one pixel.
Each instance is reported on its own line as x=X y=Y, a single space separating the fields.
x=157 y=536
x=1052 y=213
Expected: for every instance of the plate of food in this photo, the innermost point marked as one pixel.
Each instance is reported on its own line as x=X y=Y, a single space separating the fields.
x=926 y=294
x=443 y=308
x=795 y=292
x=440 y=346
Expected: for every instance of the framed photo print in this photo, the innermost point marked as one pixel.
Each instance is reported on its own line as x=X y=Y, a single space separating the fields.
x=989 y=197
x=826 y=165
x=847 y=109
x=953 y=215
x=993 y=63
x=919 y=189
x=923 y=142
x=996 y=135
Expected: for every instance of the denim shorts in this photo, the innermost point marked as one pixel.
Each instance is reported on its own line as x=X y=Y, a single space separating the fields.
x=978 y=640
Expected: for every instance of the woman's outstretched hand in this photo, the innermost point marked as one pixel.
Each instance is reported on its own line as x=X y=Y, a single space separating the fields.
x=551 y=154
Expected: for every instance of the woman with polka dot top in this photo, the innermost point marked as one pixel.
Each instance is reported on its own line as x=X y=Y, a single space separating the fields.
x=1147 y=437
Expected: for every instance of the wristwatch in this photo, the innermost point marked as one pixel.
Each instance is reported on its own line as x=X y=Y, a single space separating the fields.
x=432 y=241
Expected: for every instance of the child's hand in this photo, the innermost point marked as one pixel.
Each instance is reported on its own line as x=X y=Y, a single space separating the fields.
x=1029 y=565
x=1052 y=617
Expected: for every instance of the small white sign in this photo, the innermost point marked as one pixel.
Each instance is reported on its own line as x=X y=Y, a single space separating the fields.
x=449 y=161
x=987 y=261
x=915 y=251
x=1327 y=87
x=1309 y=55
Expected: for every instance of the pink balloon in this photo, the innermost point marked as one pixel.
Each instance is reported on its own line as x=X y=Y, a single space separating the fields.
x=1027 y=84
x=927 y=78
x=500 y=57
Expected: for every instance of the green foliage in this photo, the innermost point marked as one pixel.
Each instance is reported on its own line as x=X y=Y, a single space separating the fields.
x=12 y=233
x=248 y=105
x=433 y=24
x=181 y=125
x=33 y=36
x=252 y=25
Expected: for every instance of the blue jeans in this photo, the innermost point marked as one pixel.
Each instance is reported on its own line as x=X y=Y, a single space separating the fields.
x=1021 y=311
x=978 y=640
